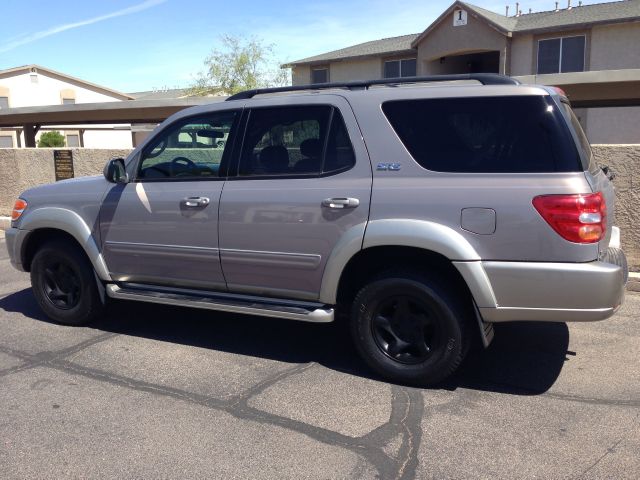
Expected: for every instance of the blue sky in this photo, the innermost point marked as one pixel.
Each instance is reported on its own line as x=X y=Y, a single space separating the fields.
x=133 y=45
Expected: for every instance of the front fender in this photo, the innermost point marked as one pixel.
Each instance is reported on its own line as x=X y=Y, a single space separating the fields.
x=70 y=222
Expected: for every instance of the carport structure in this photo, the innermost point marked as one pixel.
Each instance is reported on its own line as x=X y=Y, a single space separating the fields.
x=585 y=89
x=30 y=120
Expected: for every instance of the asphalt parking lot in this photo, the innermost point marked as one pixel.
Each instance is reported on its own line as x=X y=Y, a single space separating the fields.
x=157 y=392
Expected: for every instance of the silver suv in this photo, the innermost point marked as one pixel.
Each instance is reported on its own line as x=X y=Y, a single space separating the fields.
x=421 y=213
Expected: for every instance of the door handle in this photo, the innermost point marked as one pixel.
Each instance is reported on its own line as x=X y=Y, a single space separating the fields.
x=338 y=203
x=195 y=201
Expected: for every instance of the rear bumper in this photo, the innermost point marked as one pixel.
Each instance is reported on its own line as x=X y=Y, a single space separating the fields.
x=553 y=292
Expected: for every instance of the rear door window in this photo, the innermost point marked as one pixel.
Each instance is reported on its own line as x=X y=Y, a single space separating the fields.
x=515 y=134
x=293 y=141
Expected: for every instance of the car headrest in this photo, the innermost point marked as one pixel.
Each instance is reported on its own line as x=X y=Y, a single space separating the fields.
x=311 y=147
x=275 y=159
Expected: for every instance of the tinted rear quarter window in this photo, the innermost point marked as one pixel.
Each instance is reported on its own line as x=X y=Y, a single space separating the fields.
x=583 y=142
x=515 y=134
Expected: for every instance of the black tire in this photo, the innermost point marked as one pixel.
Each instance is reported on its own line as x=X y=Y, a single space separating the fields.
x=64 y=284
x=410 y=328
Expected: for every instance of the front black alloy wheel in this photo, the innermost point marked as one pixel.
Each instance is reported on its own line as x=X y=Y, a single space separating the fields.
x=410 y=328
x=61 y=284
x=64 y=283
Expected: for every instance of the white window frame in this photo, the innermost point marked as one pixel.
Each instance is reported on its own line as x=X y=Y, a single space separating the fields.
x=12 y=141
x=399 y=60
x=7 y=97
x=72 y=134
x=584 y=54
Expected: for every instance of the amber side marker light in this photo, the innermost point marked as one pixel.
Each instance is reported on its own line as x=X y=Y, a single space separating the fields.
x=18 y=208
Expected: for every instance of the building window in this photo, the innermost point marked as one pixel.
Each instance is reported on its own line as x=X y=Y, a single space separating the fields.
x=6 y=141
x=4 y=102
x=320 y=75
x=400 y=68
x=34 y=77
x=73 y=140
x=561 y=55
x=68 y=101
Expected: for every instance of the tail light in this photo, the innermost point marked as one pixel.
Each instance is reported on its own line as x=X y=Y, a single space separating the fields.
x=580 y=218
x=18 y=208
x=559 y=91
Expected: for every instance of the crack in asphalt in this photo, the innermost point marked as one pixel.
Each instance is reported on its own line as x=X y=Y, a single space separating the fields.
x=594 y=401
x=41 y=358
x=405 y=419
x=407 y=408
x=611 y=449
x=607 y=452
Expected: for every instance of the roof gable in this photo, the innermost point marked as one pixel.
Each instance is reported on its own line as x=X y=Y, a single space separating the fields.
x=64 y=77
x=500 y=23
x=609 y=12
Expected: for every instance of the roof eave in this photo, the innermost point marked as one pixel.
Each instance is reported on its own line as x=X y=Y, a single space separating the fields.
x=578 y=26
x=324 y=61
x=71 y=79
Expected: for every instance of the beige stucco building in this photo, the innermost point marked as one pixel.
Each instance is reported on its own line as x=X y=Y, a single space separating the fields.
x=592 y=52
x=36 y=86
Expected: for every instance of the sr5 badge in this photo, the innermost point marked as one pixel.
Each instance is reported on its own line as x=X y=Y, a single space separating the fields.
x=392 y=167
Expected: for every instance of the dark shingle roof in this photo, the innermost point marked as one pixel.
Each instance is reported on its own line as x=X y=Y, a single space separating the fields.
x=385 y=46
x=502 y=21
x=610 y=12
x=160 y=94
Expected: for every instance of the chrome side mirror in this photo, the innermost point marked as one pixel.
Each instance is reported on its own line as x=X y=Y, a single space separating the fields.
x=115 y=171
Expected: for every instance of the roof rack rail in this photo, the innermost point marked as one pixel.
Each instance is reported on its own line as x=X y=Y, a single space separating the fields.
x=483 y=78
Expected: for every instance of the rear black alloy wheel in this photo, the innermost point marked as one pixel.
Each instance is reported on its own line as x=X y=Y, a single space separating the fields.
x=64 y=283
x=406 y=329
x=410 y=328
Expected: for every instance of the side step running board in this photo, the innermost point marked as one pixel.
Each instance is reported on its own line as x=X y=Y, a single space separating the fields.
x=267 y=307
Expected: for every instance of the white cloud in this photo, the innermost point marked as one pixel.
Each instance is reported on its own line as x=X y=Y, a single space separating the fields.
x=33 y=37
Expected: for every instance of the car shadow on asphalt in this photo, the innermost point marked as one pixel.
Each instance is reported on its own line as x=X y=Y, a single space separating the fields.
x=525 y=358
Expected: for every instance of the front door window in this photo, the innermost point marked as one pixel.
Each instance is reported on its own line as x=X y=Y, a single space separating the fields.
x=192 y=149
